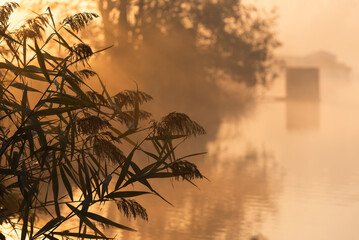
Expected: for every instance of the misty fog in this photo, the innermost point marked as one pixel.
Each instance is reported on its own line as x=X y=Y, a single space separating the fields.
x=273 y=82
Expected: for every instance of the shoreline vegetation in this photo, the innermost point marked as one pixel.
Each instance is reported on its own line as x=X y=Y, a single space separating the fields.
x=60 y=134
x=207 y=59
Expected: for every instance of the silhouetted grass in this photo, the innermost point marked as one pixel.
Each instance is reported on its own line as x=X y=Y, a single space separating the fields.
x=59 y=135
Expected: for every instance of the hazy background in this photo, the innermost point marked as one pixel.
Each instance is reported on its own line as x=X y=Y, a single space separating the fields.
x=266 y=181
x=305 y=26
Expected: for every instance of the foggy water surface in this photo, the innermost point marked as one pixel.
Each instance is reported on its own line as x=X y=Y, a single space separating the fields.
x=268 y=181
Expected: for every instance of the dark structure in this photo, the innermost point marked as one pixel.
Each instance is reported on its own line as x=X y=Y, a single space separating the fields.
x=303 y=91
x=330 y=68
x=302 y=84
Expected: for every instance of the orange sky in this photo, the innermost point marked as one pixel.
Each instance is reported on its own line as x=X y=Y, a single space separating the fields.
x=305 y=26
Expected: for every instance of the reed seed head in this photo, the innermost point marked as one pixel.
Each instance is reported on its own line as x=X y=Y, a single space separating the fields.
x=132 y=209
x=177 y=124
x=91 y=125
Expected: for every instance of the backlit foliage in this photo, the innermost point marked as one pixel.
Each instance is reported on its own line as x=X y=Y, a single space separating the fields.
x=67 y=148
x=79 y=20
x=177 y=124
x=5 y=13
x=33 y=28
x=222 y=38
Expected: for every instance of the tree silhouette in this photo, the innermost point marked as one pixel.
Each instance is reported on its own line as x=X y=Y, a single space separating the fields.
x=181 y=50
x=212 y=38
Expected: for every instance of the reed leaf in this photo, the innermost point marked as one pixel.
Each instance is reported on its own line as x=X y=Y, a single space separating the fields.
x=107 y=221
x=66 y=183
x=126 y=194
x=63 y=136
x=41 y=61
x=48 y=226
x=86 y=220
x=79 y=235
x=22 y=86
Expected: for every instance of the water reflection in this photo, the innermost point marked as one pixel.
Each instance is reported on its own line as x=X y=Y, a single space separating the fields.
x=302 y=95
x=302 y=115
x=232 y=205
x=319 y=198
x=248 y=197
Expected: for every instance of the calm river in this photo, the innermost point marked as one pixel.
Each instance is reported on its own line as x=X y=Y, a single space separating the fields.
x=270 y=177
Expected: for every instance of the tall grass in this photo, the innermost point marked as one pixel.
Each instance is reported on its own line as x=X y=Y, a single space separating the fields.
x=60 y=135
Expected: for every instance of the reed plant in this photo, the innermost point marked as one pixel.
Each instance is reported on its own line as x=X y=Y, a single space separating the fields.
x=68 y=147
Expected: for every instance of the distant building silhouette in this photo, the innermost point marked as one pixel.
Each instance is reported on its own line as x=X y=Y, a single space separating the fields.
x=310 y=78
x=302 y=84
x=302 y=94
x=327 y=63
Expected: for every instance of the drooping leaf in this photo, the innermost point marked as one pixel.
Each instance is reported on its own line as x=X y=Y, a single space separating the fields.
x=66 y=182
x=85 y=220
x=79 y=235
x=105 y=184
x=88 y=180
x=55 y=188
x=54 y=111
x=103 y=220
x=50 y=237
x=75 y=86
x=40 y=132
x=126 y=194
x=67 y=100
x=22 y=71
x=125 y=167
x=22 y=86
x=24 y=105
x=49 y=225
x=41 y=60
